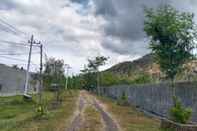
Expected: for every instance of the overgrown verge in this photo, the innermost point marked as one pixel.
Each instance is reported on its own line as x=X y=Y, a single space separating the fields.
x=18 y=115
x=109 y=79
x=130 y=119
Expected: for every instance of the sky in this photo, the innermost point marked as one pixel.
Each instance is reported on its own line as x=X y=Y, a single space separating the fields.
x=77 y=30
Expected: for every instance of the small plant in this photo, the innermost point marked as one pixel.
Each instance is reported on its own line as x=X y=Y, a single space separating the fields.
x=179 y=113
x=123 y=100
x=41 y=111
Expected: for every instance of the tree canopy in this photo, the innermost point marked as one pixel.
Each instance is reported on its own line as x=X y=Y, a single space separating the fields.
x=90 y=72
x=94 y=64
x=172 y=35
x=54 y=72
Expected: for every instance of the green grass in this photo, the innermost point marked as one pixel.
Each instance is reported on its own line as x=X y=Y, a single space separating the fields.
x=19 y=115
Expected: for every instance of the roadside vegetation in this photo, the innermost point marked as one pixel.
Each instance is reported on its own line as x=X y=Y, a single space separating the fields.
x=19 y=115
x=172 y=39
x=109 y=79
x=173 y=36
x=129 y=118
x=49 y=110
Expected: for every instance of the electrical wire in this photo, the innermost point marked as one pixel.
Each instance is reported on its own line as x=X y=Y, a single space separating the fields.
x=15 y=31
x=20 y=62
x=16 y=54
x=15 y=59
x=10 y=28
x=13 y=43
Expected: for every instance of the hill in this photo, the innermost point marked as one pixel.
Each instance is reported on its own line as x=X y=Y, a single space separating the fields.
x=146 y=66
x=129 y=67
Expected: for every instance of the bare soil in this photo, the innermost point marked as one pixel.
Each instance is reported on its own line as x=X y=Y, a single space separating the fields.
x=79 y=122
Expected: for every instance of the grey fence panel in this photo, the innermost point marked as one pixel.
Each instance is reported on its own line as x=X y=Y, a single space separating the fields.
x=157 y=98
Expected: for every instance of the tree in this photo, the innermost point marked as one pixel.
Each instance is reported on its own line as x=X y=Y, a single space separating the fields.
x=94 y=64
x=88 y=80
x=91 y=72
x=172 y=36
x=54 y=72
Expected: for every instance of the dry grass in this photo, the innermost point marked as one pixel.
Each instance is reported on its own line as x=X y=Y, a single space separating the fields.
x=130 y=119
x=93 y=120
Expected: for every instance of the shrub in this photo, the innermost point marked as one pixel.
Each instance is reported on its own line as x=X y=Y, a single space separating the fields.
x=123 y=100
x=41 y=111
x=108 y=79
x=142 y=79
x=179 y=113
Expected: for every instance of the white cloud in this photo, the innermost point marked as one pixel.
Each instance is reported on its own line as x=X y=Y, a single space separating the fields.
x=65 y=32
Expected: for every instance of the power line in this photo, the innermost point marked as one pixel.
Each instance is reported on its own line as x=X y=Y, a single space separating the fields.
x=15 y=54
x=12 y=28
x=18 y=44
x=5 y=29
x=7 y=52
x=8 y=30
x=16 y=59
x=13 y=43
x=23 y=63
x=11 y=58
x=35 y=65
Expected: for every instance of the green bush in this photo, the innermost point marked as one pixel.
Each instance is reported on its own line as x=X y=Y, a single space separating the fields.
x=179 y=113
x=142 y=79
x=41 y=111
x=123 y=100
x=109 y=79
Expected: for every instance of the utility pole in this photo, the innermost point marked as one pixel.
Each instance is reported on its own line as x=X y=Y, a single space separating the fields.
x=28 y=66
x=32 y=42
x=41 y=77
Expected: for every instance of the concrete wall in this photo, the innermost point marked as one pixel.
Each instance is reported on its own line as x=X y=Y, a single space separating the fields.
x=156 y=99
x=12 y=81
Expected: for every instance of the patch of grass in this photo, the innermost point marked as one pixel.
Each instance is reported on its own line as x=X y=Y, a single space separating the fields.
x=92 y=119
x=18 y=115
x=130 y=119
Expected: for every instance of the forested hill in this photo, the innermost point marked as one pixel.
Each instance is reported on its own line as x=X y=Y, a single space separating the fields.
x=146 y=65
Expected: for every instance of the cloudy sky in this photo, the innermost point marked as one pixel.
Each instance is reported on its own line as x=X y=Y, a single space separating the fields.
x=75 y=30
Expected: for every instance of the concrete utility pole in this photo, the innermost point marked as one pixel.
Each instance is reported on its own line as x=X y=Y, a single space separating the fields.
x=41 y=78
x=28 y=66
x=32 y=42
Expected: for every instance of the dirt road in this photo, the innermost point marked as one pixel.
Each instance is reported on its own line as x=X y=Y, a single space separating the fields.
x=79 y=123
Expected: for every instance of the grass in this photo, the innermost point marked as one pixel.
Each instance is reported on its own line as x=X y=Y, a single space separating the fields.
x=18 y=115
x=92 y=119
x=130 y=119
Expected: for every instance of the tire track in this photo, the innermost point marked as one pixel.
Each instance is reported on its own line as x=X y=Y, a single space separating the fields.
x=78 y=121
x=110 y=124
